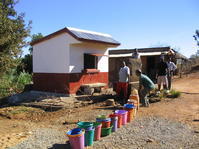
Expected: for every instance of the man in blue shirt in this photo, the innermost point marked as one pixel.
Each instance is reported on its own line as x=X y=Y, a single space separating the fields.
x=145 y=86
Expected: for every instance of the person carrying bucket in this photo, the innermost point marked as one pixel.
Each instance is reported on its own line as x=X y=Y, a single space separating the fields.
x=145 y=86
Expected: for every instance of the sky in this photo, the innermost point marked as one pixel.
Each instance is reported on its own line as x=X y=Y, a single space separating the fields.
x=134 y=23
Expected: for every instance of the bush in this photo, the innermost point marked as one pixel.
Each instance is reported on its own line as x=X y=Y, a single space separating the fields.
x=12 y=83
x=174 y=94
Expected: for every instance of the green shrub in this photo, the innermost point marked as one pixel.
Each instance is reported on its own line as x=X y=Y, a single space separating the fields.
x=174 y=94
x=12 y=83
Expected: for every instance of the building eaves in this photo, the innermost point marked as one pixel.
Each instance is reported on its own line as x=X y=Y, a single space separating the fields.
x=81 y=36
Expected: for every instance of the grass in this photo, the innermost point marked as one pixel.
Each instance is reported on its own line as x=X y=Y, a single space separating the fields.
x=19 y=112
x=20 y=109
x=174 y=94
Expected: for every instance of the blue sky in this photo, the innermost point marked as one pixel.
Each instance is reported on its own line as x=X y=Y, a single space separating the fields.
x=134 y=23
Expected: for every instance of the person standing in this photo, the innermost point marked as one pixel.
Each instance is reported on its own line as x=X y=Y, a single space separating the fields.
x=171 y=68
x=162 y=70
x=124 y=78
x=145 y=86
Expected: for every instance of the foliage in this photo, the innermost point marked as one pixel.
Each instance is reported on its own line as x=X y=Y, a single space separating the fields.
x=13 y=32
x=196 y=37
x=174 y=94
x=26 y=62
x=34 y=37
x=12 y=83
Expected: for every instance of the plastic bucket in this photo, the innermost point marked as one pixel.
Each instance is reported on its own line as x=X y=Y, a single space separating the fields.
x=131 y=111
x=76 y=138
x=106 y=131
x=89 y=137
x=98 y=128
x=124 y=115
x=85 y=125
x=130 y=115
x=119 y=121
x=114 y=122
x=129 y=106
x=105 y=122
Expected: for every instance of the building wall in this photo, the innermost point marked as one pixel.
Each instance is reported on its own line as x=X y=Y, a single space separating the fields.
x=144 y=64
x=58 y=64
x=77 y=57
x=68 y=83
x=52 y=55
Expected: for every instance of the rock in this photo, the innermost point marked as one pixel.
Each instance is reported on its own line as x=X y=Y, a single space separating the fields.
x=110 y=102
x=196 y=131
x=88 y=90
x=149 y=140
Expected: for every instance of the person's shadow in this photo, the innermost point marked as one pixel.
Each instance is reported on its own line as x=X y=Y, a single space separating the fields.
x=61 y=146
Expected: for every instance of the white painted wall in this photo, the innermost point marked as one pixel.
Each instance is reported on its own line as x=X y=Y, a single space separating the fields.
x=65 y=54
x=77 y=57
x=52 y=56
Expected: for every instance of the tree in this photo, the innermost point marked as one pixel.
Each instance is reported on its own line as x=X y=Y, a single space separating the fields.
x=26 y=61
x=34 y=37
x=13 y=32
x=196 y=37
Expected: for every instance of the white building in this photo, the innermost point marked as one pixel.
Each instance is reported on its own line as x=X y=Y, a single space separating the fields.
x=69 y=58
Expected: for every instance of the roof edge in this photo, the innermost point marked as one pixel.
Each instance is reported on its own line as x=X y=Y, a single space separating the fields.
x=66 y=30
x=49 y=36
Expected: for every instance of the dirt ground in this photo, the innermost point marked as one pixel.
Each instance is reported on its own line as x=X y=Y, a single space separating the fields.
x=16 y=127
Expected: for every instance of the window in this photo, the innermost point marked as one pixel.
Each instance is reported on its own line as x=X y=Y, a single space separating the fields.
x=90 y=61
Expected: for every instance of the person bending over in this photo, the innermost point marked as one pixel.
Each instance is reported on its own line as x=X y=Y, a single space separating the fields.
x=145 y=86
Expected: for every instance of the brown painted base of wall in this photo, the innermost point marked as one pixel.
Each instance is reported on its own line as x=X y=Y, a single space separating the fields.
x=68 y=83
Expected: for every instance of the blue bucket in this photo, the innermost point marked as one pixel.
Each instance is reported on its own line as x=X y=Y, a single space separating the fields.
x=129 y=106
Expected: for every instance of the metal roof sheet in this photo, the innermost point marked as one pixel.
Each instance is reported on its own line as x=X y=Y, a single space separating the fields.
x=94 y=36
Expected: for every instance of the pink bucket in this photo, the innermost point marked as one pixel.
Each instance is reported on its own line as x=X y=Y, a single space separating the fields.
x=76 y=140
x=98 y=128
x=124 y=115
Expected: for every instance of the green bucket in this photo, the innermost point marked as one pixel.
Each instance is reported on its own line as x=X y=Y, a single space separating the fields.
x=106 y=131
x=85 y=125
x=89 y=137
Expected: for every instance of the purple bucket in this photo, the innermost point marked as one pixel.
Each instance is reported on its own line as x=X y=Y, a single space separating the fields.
x=114 y=121
x=76 y=138
x=124 y=115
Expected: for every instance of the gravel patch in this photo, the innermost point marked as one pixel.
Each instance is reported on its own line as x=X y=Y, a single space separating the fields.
x=149 y=133
x=44 y=138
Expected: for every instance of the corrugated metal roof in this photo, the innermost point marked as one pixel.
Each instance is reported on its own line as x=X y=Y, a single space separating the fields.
x=93 y=36
x=82 y=35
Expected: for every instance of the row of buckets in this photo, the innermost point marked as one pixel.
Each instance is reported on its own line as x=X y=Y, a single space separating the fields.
x=88 y=132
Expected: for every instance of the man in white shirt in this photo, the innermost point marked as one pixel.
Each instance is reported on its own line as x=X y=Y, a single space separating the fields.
x=171 y=68
x=124 y=78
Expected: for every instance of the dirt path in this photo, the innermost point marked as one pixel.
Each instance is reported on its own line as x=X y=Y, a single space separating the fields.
x=184 y=109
